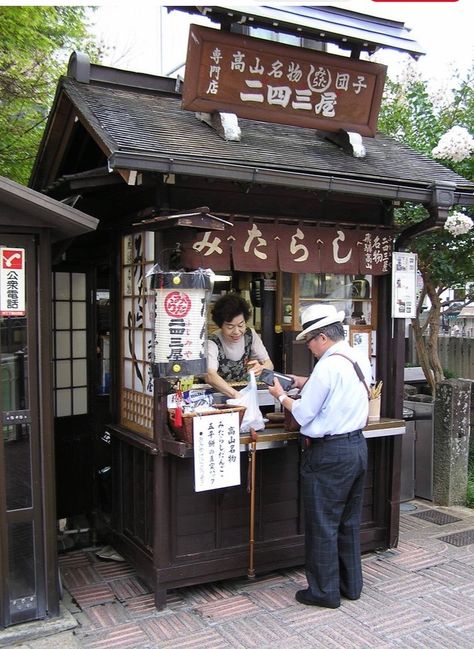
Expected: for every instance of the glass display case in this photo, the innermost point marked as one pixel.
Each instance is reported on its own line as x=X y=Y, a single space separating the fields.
x=353 y=294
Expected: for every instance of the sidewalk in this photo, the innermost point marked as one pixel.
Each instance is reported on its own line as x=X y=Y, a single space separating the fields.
x=418 y=595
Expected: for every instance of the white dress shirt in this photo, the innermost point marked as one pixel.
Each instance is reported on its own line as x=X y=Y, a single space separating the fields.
x=334 y=400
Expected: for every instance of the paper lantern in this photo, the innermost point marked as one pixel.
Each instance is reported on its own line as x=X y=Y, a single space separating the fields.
x=180 y=328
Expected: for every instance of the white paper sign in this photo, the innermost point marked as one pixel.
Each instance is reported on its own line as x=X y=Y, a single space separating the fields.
x=216 y=451
x=404 y=278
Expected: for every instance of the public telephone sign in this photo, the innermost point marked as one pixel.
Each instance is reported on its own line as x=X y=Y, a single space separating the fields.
x=12 y=282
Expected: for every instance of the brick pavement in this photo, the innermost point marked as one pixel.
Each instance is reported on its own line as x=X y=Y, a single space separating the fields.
x=418 y=595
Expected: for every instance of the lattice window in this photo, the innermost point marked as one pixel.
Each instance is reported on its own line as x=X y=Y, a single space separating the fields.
x=69 y=344
x=138 y=254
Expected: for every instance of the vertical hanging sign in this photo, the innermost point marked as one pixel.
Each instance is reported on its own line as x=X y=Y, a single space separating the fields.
x=404 y=279
x=12 y=282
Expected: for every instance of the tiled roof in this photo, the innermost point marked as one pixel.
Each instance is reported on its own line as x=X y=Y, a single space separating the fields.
x=152 y=127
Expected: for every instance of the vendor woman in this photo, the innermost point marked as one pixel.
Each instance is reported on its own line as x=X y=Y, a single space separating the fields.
x=234 y=349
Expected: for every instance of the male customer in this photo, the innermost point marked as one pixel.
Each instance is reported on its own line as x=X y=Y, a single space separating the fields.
x=332 y=411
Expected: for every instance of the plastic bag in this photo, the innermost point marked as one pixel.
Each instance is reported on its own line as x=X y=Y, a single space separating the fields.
x=248 y=397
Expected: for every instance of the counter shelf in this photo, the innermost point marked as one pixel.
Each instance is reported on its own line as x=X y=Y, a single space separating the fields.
x=274 y=436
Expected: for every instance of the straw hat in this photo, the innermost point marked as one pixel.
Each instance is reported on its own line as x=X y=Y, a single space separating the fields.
x=317 y=316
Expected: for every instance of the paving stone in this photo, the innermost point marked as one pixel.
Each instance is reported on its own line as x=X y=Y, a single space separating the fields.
x=129 y=587
x=444 y=605
x=208 y=593
x=370 y=600
x=409 y=586
x=208 y=639
x=113 y=570
x=80 y=576
x=418 y=558
x=273 y=599
x=73 y=560
x=453 y=572
x=300 y=618
x=435 y=637
x=93 y=595
x=351 y=636
x=169 y=627
x=269 y=581
x=106 y=615
x=397 y=620
x=254 y=632
x=125 y=636
x=229 y=607
x=379 y=571
x=141 y=605
x=464 y=625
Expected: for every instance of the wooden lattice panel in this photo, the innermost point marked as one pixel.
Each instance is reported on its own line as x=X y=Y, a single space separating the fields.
x=137 y=412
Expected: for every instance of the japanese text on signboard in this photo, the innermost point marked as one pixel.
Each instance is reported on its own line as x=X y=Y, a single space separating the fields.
x=280 y=83
x=294 y=249
x=12 y=282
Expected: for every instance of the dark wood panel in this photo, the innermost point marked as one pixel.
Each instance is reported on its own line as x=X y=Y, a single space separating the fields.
x=205 y=536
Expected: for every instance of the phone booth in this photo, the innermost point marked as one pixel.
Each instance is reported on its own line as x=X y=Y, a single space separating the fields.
x=31 y=225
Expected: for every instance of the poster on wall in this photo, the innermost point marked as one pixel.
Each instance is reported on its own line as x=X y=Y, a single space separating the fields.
x=404 y=283
x=216 y=451
x=12 y=282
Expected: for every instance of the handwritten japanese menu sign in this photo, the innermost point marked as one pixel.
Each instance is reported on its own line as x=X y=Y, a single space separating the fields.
x=216 y=451
x=292 y=248
x=12 y=282
x=271 y=82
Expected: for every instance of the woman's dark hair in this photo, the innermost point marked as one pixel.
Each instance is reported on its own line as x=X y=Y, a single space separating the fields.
x=229 y=307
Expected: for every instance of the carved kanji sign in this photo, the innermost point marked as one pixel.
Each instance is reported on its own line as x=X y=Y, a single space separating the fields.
x=272 y=82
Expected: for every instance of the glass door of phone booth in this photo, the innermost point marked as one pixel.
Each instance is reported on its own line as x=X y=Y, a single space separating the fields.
x=21 y=506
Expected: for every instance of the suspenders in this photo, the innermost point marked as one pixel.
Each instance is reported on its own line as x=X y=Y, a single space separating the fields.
x=357 y=370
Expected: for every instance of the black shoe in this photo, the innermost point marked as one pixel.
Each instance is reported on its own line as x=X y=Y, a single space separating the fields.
x=305 y=597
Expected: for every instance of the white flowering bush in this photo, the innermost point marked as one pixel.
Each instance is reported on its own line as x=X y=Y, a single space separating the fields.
x=455 y=145
x=458 y=223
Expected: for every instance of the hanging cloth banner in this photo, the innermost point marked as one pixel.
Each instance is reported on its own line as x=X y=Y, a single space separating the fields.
x=375 y=252
x=209 y=249
x=254 y=247
x=293 y=249
x=303 y=249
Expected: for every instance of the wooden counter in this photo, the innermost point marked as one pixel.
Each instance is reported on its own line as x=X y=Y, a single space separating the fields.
x=176 y=537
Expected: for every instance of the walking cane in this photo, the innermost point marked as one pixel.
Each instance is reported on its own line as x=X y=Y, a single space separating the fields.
x=251 y=490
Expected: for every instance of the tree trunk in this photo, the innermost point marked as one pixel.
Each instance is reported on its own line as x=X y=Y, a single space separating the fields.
x=426 y=334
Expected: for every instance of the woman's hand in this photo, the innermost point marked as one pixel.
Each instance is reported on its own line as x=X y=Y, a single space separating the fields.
x=254 y=366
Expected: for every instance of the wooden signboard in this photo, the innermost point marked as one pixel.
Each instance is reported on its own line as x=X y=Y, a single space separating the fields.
x=271 y=82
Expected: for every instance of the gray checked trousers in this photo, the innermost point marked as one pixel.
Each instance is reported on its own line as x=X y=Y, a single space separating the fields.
x=333 y=473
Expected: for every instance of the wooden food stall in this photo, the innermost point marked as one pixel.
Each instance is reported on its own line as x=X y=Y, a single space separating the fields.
x=295 y=215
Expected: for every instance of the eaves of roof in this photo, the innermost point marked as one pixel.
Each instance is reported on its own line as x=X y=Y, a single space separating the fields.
x=146 y=130
x=63 y=220
x=325 y=24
